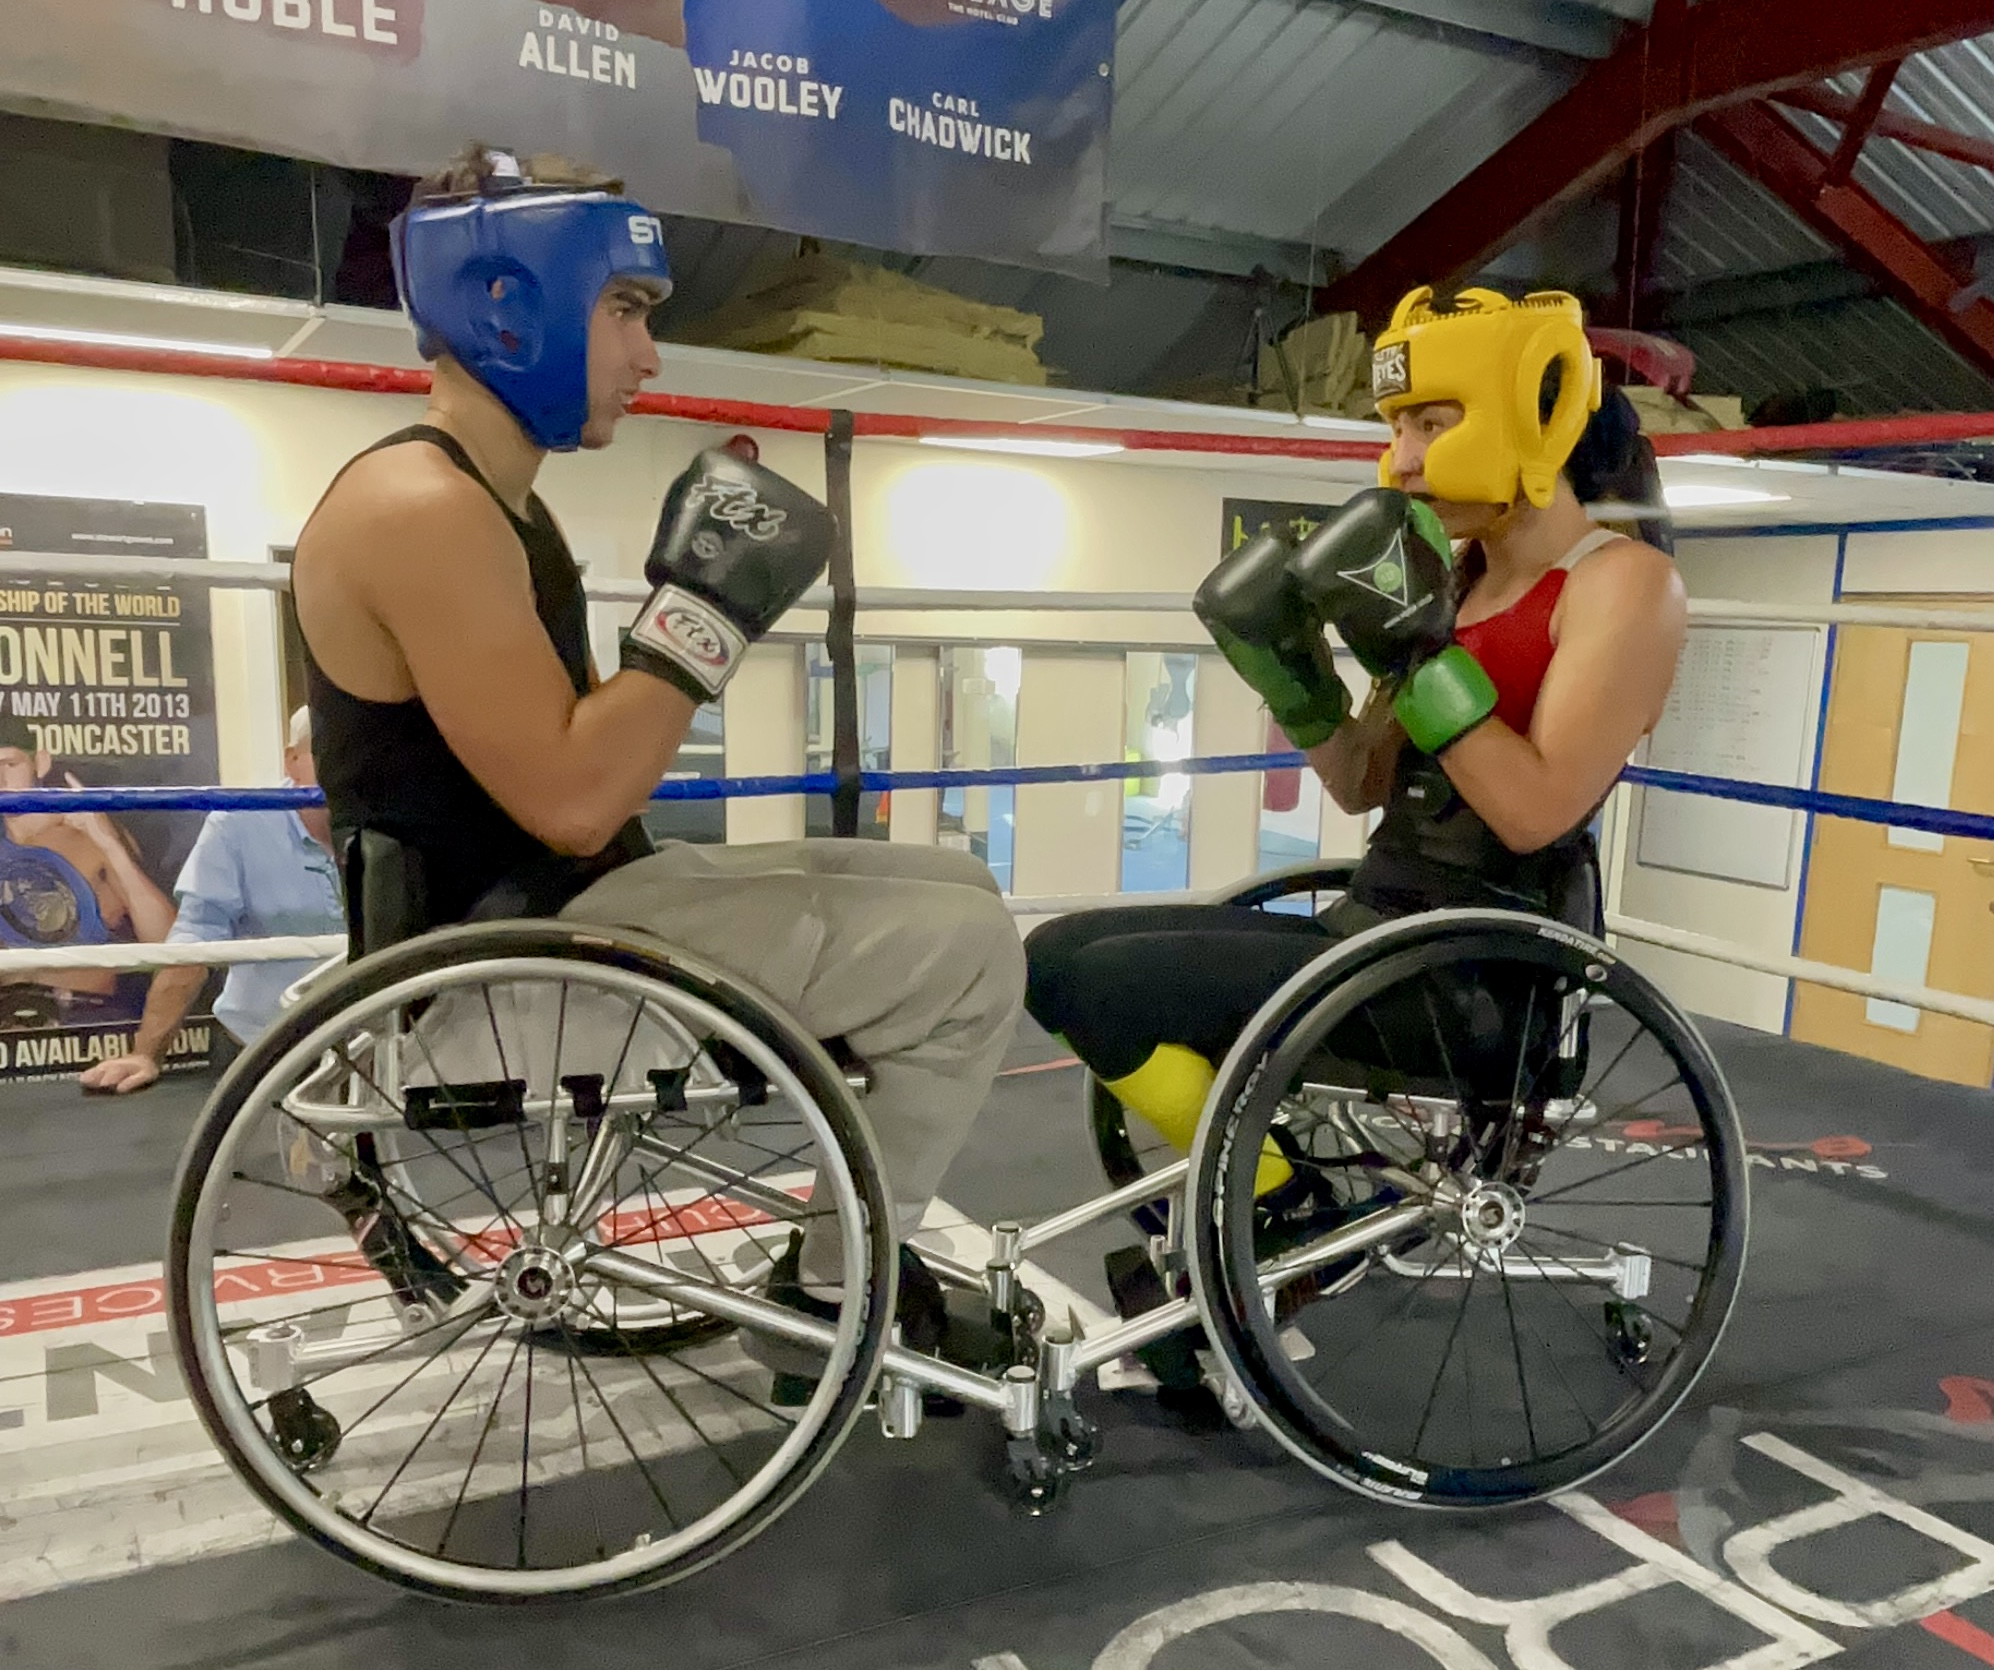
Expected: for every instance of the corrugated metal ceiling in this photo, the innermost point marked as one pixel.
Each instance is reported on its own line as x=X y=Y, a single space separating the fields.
x=1873 y=354
x=1305 y=122
x=1720 y=223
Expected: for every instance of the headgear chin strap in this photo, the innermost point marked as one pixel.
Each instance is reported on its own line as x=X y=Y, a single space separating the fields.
x=506 y=283
x=1490 y=354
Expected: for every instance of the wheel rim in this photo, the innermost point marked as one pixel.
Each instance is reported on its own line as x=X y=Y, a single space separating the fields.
x=1461 y=1373
x=686 y=1418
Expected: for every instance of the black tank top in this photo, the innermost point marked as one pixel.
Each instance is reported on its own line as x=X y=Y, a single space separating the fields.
x=384 y=766
x=1432 y=850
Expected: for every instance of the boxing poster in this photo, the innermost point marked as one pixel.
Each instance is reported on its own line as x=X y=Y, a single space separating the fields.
x=937 y=127
x=102 y=684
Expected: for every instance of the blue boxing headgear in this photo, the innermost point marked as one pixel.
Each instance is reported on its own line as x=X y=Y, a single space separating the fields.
x=505 y=283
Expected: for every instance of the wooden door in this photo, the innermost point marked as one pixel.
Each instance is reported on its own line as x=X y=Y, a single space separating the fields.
x=1906 y=906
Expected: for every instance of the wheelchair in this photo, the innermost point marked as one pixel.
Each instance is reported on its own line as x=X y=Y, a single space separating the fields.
x=471 y=1255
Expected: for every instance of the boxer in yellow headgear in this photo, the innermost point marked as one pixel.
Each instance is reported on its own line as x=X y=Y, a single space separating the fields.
x=1490 y=355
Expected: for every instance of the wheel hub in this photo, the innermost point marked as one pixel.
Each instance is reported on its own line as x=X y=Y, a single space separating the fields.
x=1491 y=1216
x=535 y=1284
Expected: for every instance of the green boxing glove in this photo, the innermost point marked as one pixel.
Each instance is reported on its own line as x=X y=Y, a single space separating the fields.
x=1443 y=699
x=1262 y=627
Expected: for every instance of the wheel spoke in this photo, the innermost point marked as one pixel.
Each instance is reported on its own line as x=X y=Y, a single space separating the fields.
x=1469 y=1273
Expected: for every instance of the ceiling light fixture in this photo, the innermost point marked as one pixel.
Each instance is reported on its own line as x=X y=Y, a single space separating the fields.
x=1048 y=448
x=118 y=339
x=1698 y=495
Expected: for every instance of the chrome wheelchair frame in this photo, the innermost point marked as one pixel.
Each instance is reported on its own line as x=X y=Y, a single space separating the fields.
x=1442 y=1216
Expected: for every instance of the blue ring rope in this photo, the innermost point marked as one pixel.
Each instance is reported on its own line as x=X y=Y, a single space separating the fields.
x=1930 y=819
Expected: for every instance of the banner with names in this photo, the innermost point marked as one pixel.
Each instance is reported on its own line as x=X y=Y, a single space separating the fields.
x=935 y=127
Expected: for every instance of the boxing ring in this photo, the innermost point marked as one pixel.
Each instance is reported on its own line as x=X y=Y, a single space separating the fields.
x=1847 y=1404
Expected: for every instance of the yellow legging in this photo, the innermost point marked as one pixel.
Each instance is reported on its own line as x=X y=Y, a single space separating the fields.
x=1169 y=1090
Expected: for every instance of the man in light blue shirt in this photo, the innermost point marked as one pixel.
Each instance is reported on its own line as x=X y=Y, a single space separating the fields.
x=251 y=875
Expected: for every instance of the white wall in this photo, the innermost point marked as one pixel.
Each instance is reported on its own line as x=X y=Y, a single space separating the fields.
x=1768 y=570
x=1949 y=560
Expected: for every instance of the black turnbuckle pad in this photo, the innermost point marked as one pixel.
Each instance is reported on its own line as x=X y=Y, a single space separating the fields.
x=668 y=1088
x=464 y=1107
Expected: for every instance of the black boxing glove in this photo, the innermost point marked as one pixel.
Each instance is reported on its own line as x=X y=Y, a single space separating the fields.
x=1379 y=570
x=1260 y=624
x=736 y=546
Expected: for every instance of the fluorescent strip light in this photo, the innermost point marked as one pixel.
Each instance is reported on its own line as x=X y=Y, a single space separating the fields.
x=1621 y=510
x=1018 y=443
x=1362 y=428
x=118 y=339
x=1697 y=495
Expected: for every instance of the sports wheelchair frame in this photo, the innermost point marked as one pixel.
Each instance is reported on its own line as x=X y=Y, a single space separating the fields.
x=528 y=1261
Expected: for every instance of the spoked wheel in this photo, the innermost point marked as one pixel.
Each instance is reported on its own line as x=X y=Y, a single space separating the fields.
x=1548 y=1167
x=472 y=1257
x=1130 y=1148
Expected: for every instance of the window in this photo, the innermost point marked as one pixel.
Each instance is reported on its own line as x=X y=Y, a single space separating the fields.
x=980 y=730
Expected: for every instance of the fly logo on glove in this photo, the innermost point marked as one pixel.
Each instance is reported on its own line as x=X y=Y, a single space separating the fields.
x=690 y=632
x=736 y=506
x=736 y=547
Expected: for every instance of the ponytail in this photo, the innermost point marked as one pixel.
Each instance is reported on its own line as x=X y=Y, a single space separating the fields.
x=1614 y=463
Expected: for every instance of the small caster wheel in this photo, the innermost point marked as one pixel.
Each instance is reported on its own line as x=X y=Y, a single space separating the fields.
x=307 y=1436
x=1632 y=1334
x=1035 y=1476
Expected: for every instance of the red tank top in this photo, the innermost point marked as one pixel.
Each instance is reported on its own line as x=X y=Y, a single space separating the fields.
x=1515 y=647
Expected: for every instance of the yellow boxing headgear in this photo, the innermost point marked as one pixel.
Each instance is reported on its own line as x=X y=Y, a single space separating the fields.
x=1490 y=354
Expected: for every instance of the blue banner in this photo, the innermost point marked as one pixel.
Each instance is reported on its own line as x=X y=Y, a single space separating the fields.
x=957 y=127
x=937 y=127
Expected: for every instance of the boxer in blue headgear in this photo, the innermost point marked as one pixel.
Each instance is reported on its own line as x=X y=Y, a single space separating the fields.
x=457 y=712
x=505 y=281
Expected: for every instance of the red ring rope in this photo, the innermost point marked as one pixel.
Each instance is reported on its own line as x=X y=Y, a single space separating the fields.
x=1853 y=436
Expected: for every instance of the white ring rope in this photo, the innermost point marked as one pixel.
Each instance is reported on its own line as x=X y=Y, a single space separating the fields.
x=316 y=949
x=219 y=953
x=1978 y=1009
x=273 y=576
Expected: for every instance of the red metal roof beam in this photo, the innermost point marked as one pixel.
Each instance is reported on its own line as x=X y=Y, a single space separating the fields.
x=1767 y=146
x=1856 y=130
x=1891 y=124
x=1688 y=61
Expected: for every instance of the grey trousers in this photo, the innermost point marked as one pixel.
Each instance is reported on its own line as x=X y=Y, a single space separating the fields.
x=906 y=952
